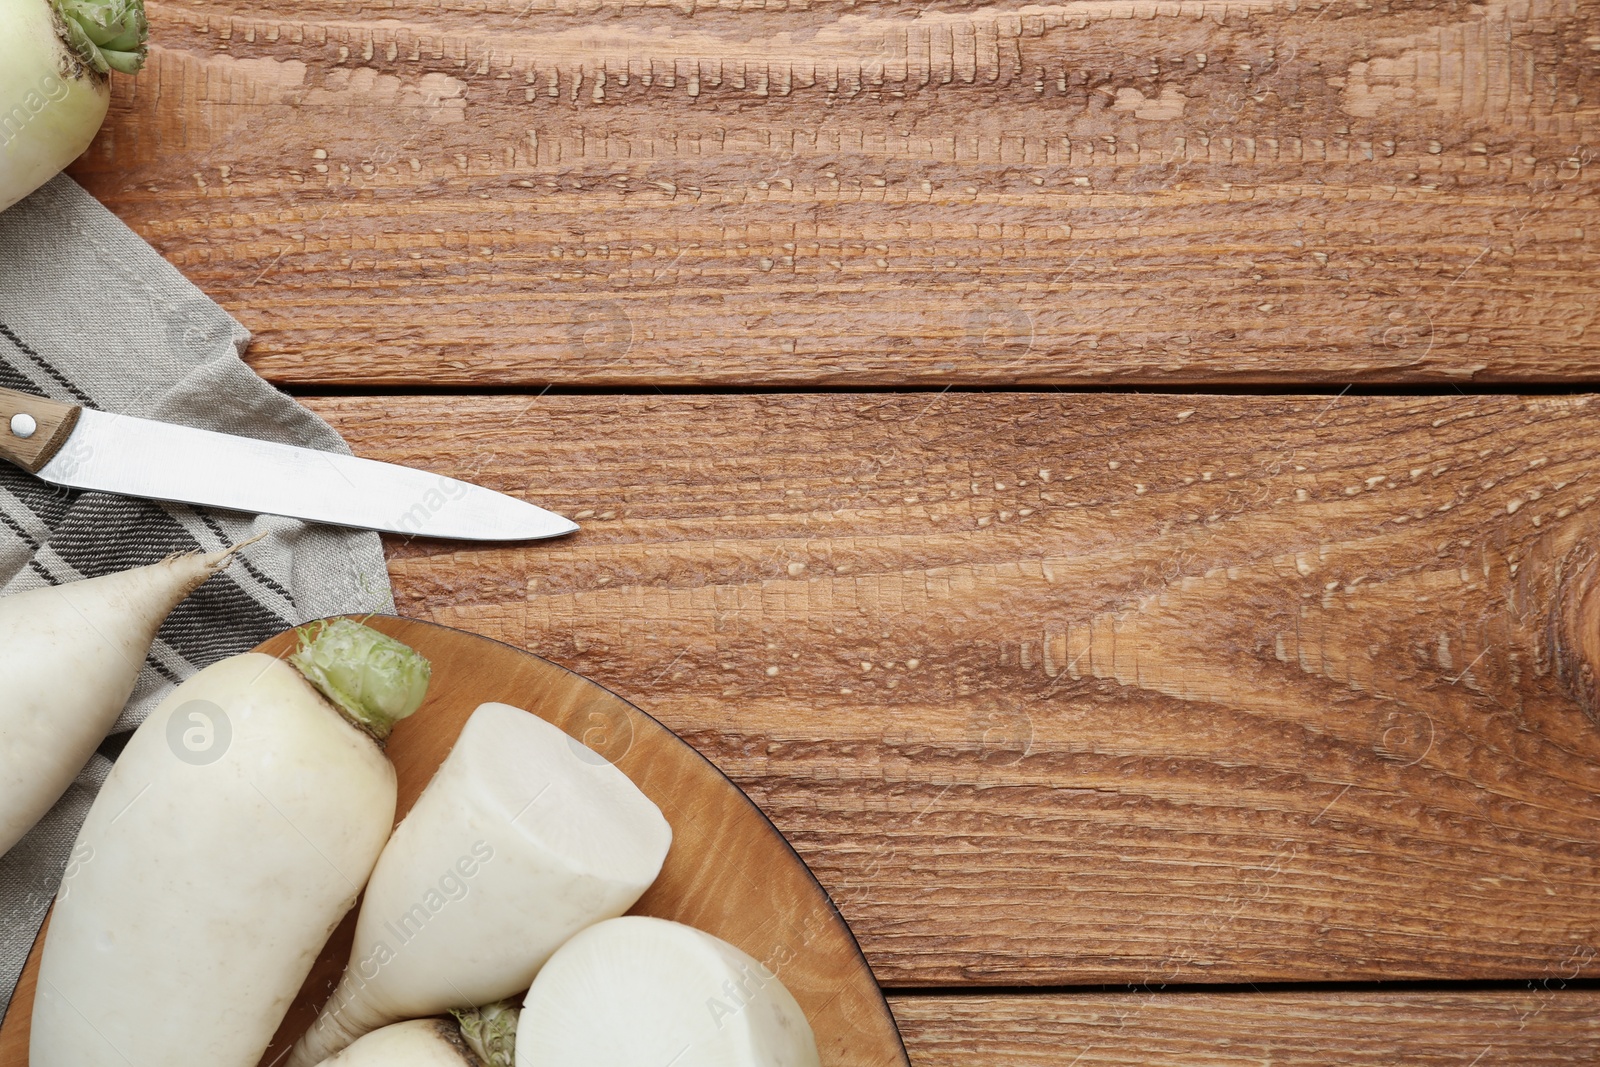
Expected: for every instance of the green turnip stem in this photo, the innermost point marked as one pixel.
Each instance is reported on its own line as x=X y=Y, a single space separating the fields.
x=374 y=680
x=106 y=34
x=491 y=1032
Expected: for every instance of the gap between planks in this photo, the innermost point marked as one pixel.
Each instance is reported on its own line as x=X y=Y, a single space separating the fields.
x=317 y=391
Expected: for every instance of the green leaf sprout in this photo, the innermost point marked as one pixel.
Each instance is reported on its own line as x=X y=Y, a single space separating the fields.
x=374 y=679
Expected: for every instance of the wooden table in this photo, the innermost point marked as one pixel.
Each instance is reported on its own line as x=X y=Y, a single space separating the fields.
x=1114 y=480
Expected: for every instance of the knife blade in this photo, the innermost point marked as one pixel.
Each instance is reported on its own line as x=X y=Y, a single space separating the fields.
x=82 y=448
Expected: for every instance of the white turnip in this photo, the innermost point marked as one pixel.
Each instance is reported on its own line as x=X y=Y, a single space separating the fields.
x=69 y=658
x=234 y=831
x=642 y=992
x=417 y=1043
x=55 y=56
x=522 y=838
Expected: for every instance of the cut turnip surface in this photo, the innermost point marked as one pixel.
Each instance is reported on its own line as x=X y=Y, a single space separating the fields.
x=523 y=838
x=642 y=992
x=70 y=656
x=232 y=834
x=417 y=1043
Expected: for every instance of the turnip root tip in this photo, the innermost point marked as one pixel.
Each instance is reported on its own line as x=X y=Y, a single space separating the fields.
x=70 y=656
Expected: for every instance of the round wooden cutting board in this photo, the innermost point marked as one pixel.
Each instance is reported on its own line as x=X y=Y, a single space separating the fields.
x=729 y=872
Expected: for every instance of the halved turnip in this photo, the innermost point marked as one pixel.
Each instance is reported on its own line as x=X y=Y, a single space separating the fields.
x=522 y=838
x=642 y=992
x=70 y=656
x=234 y=831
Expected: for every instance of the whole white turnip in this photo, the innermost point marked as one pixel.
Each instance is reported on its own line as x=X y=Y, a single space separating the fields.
x=235 y=830
x=55 y=60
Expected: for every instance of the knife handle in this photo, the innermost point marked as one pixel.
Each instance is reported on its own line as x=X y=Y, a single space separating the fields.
x=33 y=429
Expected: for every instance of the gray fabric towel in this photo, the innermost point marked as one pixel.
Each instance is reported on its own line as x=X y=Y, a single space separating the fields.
x=90 y=314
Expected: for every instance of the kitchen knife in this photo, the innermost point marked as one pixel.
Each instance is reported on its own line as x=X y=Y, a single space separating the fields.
x=83 y=448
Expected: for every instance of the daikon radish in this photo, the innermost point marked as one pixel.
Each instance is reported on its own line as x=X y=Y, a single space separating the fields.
x=418 y=1043
x=54 y=59
x=69 y=658
x=522 y=838
x=641 y=992
x=233 y=833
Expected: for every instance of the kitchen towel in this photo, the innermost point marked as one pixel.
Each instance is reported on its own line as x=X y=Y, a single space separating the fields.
x=91 y=314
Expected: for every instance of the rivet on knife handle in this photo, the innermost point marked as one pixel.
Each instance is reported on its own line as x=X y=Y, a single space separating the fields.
x=33 y=429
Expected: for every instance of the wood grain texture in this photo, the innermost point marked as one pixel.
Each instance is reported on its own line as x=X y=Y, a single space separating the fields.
x=1545 y=1026
x=621 y=192
x=728 y=872
x=1087 y=688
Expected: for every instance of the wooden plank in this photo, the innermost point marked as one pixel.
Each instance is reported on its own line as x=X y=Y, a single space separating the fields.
x=1087 y=688
x=1546 y=1026
x=621 y=193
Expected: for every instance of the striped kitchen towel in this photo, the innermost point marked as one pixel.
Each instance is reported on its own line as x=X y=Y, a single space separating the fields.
x=91 y=314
